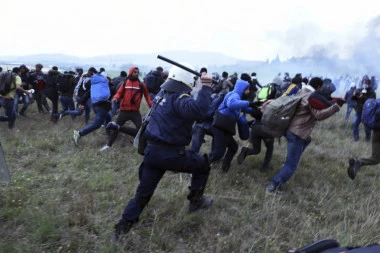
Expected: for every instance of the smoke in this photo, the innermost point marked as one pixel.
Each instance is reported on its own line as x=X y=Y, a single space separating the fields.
x=354 y=54
x=367 y=51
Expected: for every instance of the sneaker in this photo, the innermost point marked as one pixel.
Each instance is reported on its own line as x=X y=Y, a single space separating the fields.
x=205 y=203
x=104 y=148
x=61 y=115
x=275 y=188
x=112 y=125
x=353 y=168
x=243 y=154
x=76 y=137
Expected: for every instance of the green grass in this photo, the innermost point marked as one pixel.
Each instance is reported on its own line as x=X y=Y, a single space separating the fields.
x=67 y=198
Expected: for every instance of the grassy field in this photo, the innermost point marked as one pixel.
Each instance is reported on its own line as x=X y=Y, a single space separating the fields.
x=67 y=198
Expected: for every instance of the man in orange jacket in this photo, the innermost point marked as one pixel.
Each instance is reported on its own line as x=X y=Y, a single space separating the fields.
x=130 y=95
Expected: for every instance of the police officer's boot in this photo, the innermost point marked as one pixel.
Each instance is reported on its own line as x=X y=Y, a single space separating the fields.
x=198 y=201
x=121 y=228
x=226 y=167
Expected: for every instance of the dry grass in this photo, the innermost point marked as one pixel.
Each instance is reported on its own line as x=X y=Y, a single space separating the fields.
x=66 y=198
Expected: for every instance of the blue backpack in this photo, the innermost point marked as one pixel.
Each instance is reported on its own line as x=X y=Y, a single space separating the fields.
x=371 y=113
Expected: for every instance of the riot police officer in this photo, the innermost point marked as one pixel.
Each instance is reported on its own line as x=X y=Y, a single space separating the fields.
x=168 y=132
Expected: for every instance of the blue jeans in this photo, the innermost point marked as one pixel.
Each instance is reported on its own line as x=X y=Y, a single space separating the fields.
x=10 y=114
x=25 y=102
x=101 y=117
x=197 y=138
x=78 y=112
x=296 y=146
x=115 y=108
x=157 y=161
x=67 y=103
x=355 y=127
x=350 y=106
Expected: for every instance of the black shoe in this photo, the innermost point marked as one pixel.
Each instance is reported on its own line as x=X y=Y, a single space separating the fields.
x=204 y=203
x=22 y=112
x=353 y=168
x=225 y=167
x=275 y=188
x=243 y=154
x=112 y=126
x=120 y=229
x=265 y=168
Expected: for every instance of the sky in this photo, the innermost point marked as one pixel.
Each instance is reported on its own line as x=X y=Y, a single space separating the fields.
x=249 y=30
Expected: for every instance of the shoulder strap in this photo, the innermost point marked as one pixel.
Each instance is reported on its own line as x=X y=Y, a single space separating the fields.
x=154 y=107
x=134 y=95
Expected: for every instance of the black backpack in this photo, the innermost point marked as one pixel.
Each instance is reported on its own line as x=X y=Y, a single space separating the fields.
x=332 y=246
x=153 y=82
x=65 y=83
x=218 y=87
x=6 y=79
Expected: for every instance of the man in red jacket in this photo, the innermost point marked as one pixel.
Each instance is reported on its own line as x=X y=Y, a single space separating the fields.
x=130 y=95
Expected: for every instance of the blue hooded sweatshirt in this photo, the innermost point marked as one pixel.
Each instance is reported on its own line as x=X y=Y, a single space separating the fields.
x=232 y=104
x=100 y=91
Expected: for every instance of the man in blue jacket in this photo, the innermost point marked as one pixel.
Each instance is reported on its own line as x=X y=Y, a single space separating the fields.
x=101 y=104
x=168 y=132
x=231 y=106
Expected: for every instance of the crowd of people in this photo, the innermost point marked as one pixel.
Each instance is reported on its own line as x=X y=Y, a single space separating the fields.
x=187 y=108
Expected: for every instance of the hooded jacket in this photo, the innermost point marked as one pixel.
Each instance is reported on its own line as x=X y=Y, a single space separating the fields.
x=306 y=117
x=131 y=92
x=100 y=91
x=232 y=104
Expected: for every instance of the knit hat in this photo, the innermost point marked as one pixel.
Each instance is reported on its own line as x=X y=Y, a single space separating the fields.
x=315 y=82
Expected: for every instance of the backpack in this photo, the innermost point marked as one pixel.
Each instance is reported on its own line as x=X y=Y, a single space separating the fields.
x=115 y=84
x=218 y=87
x=269 y=91
x=215 y=102
x=371 y=113
x=278 y=113
x=65 y=83
x=332 y=246
x=153 y=82
x=6 y=79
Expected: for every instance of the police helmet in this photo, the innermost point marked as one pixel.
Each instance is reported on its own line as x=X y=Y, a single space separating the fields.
x=181 y=75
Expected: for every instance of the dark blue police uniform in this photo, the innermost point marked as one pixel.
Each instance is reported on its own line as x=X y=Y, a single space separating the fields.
x=168 y=132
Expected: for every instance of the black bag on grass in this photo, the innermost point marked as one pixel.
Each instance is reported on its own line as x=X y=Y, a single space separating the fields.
x=332 y=246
